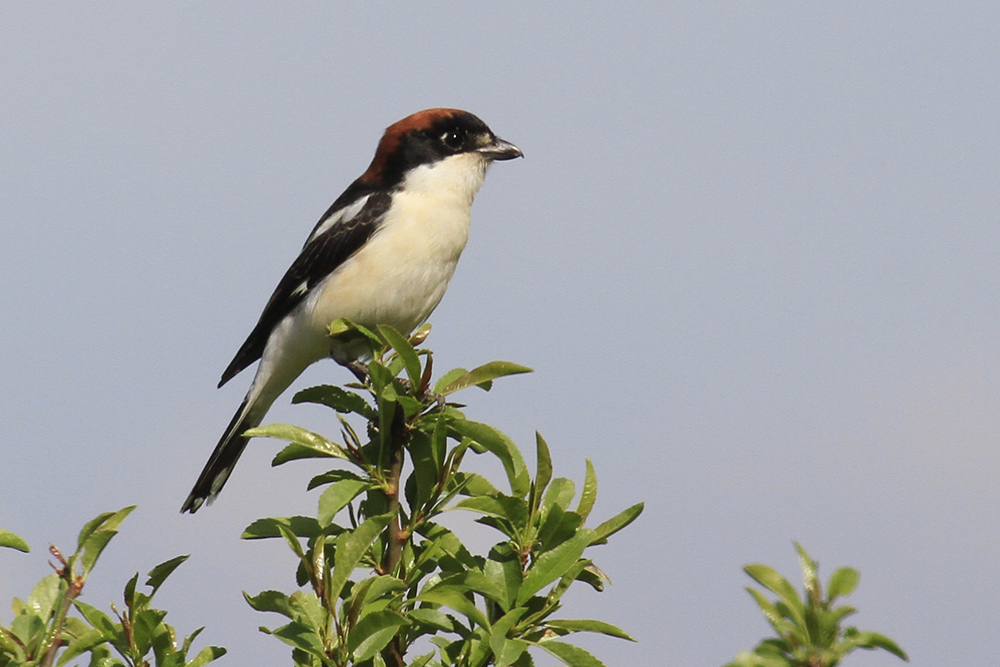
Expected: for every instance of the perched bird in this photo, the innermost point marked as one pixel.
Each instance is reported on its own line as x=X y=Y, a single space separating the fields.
x=382 y=254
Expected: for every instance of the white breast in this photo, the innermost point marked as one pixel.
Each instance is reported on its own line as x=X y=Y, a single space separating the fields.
x=401 y=273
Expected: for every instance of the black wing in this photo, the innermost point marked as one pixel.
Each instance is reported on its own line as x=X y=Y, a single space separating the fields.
x=319 y=258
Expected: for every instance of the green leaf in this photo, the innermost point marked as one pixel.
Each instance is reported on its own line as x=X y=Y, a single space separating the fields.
x=98 y=619
x=589 y=494
x=206 y=655
x=452 y=598
x=12 y=541
x=616 y=523
x=472 y=581
x=44 y=596
x=337 y=398
x=306 y=610
x=810 y=574
x=97 y=533
x=500 y=446
x=770 y=579
x=557 y=527
x=510 y=508
x=574 y=656
x=274 y=601
x=842 y=582
x=351 y=547
x=873 y=640
x=402 y=346
x=472 y=484
x=331 y=476
x=335 y=497
x=560 y=493
x=481 y=376
x=503 y=568
x=299 y=636
x=448 y=378
x=767 y=608
x=589 y=626
x=552 y=565
x=543 y=475
x=304 y=444
x=159 y=573
x=373 y=633
x=80 y=645
x=301 y=526
x=507 y=651
x=431 y=617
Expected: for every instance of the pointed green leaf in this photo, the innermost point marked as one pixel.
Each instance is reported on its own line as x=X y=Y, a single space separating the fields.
x=770 y=579
x=560 y=493
x=587 y=625
x=500 y=446
x=552 y=565
x=301 y=526
x=448 y=378
x=588 y=496
x=503 y=568
x=872 y=640
x=617 y=522
x=44 y=596
x=335 y=497
x=304 y=444
x=766 y=607
x=513 y=509
x=96 y=535
x=481 y=376
x=337 y=398
x=274 y=601
x=12 y=541
x=206 y=655
x=455 y=600
x=810 y=575
x=80 y=645
x=299 y=636
x=403 y=348
x=574 y=656
x=373 y=633
x=98 y=619
x=431 y=617
x=507 y=651
x=352 y=549
x=543 y=474
x=159 y=573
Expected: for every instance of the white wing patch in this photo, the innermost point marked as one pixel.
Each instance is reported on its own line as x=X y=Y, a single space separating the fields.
x=345 y=214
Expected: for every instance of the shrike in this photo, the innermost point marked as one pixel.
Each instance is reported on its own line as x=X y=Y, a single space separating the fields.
x=382 y=254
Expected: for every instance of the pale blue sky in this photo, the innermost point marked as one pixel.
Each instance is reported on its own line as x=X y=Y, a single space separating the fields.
x=751 y=254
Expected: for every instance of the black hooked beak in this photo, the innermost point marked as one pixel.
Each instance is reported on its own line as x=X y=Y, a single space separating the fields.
x=498 y=149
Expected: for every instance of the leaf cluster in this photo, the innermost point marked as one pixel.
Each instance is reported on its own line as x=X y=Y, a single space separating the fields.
x=810 y=630
x=44 y=633
x=420 y=587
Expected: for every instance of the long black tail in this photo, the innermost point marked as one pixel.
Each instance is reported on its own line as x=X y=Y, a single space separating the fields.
x=222 y=461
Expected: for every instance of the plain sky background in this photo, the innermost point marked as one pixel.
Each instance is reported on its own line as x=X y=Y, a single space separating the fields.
x=753 y=254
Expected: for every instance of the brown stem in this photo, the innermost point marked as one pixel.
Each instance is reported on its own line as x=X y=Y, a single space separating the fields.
x=73 y=589
x=394 y=548
x=396 y=448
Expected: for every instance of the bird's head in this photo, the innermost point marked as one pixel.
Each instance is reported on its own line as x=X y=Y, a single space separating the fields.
x=433 y=136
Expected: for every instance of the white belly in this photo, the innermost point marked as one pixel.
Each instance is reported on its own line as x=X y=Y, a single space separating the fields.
x=400 y=275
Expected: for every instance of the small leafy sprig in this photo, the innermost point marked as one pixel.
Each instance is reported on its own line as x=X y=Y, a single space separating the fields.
x=43 y=633
x=810 y=631
x=423 y=583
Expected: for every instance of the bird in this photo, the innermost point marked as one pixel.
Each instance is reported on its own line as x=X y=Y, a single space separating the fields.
x=382 y=254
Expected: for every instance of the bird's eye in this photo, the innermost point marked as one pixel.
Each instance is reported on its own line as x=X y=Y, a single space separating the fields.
x=453 y=139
